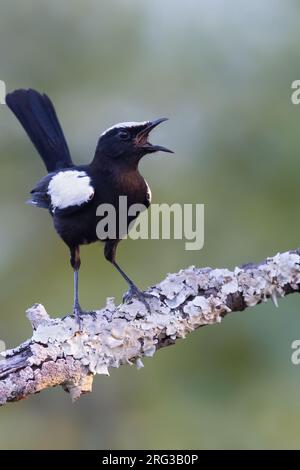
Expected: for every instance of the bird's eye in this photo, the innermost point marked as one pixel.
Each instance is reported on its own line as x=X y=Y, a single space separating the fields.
x=124 y=135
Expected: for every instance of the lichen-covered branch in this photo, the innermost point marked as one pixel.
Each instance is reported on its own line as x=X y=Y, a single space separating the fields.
x=59 y=354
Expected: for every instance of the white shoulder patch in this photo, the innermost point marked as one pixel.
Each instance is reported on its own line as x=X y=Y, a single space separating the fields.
x=125 y=125
x=149 y=193
x=70 y=188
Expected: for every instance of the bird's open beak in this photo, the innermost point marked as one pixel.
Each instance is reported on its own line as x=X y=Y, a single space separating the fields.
x=142 y=137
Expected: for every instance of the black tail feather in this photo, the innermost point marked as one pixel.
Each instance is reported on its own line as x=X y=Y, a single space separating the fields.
x=37 y=115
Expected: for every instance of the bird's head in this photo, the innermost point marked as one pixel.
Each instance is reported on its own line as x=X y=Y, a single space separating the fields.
x=128 y=141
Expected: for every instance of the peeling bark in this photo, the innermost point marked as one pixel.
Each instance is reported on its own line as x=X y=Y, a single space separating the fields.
x=59 y=354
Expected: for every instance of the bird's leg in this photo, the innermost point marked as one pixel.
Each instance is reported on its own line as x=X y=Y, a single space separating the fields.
x=75 y=263
x=134 y=291
x=76 y=307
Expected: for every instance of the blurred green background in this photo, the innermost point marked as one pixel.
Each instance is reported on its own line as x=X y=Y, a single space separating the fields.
x=221 y=70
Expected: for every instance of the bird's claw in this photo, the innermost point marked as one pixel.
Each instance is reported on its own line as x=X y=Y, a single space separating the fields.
x=141 y=296
x=78 y=312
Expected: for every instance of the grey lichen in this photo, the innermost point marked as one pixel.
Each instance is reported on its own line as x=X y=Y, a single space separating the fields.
x=59 y=354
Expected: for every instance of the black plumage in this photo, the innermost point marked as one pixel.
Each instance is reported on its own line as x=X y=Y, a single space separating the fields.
x=72 y=193
x=37 y=115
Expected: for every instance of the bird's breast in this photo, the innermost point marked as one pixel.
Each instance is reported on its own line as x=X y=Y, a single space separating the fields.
x=134 y=186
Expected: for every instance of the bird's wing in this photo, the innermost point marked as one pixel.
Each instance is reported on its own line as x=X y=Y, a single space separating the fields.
x=39 y=194
x=63 y=192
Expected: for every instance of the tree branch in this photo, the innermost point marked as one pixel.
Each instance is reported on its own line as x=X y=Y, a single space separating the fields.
x=58 y=354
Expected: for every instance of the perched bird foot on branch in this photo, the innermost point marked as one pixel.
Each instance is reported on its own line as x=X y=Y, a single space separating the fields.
x=134 y=291
x=78 y=313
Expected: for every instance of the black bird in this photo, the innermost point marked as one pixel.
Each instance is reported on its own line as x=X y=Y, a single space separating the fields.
x=73 y=193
